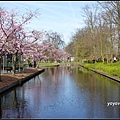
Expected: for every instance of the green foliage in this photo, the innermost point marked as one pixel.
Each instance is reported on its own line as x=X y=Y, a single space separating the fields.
x=51 y=64
x=110 y=68
x=47 y=64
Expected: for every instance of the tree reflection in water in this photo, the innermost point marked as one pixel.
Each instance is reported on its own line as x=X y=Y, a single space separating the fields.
x=0 y=108
x=63 y=92
x=15 y=103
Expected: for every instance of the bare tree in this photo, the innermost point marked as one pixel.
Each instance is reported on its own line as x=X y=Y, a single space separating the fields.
x=70 y=48
x=112 y=10
x=90 y=15
x=55 y=37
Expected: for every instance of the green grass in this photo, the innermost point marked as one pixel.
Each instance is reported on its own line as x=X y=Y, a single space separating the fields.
x=50 y=64
x=110 y=68
x=47 y=64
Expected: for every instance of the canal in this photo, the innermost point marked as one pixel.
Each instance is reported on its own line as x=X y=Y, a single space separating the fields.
x=63 y=92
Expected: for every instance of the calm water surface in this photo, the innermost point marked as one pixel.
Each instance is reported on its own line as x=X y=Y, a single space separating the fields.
x=63 y=92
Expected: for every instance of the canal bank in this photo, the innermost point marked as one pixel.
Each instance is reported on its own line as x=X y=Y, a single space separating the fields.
x=117 y=79
x=9 y=81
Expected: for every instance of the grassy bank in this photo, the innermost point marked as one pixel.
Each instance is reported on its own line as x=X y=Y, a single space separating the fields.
x=47 y=64
x=110 y=68
x=52 y=64
x=44 y=64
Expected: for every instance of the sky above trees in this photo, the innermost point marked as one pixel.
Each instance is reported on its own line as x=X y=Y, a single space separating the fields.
x=63 y=17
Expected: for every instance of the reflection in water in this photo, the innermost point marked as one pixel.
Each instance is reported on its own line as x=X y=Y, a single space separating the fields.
x=0 y=108
x=63 y=92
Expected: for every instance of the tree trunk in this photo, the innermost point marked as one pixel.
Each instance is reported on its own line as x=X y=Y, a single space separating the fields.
x=94 y=53
x=0 y=69
x=101 y=49
x=106 y=53
x=38 y=64
x=0 y=108
x=14 y=64
x=119 y=42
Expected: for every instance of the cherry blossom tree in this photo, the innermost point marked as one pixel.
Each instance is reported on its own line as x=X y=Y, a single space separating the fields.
x=45 y=51
x=12 y=33
x=15 y=39
x=25 y=44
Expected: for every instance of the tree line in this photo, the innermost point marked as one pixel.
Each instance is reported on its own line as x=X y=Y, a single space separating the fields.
x=100 y=37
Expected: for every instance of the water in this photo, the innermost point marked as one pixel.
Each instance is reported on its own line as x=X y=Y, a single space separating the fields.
x=63 y=92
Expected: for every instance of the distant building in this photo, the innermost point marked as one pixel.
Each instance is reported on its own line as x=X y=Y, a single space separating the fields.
x=72 y=59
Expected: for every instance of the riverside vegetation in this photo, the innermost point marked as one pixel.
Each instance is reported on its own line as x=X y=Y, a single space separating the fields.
x=109 y=68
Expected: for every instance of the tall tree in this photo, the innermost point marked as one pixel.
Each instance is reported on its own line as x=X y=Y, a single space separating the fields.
x=112 y=9
x=12 y=24
x=90 y=15
x=55 y=37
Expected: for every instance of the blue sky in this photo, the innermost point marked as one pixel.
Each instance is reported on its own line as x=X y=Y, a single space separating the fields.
x=63 y=17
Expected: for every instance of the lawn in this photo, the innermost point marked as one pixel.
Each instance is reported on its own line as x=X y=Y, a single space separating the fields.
x=47 y=64
x=109 y=68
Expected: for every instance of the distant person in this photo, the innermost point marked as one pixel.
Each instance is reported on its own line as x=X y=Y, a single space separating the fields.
x=114 y=59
